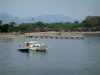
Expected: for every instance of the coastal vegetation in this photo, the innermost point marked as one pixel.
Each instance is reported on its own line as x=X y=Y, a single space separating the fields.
x=90 y=23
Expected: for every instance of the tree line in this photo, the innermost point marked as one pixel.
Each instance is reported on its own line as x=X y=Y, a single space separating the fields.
x=90 y=23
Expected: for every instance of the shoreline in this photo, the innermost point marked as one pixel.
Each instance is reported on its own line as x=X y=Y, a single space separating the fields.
x=11 y=36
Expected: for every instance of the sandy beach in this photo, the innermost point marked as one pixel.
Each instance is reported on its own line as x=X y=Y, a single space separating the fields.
x=7 y=36
x=12 y=36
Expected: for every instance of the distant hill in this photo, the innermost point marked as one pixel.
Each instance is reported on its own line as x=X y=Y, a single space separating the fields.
x=6 y=18
x=54 y=18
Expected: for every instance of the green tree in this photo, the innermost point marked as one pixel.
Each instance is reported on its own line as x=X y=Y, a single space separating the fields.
x=39 y=25
x=91 y=21
x=0 y=22
x=12 y=27
x=12 y=23
x=0 y=26
x=5 y=28
x=76 y=22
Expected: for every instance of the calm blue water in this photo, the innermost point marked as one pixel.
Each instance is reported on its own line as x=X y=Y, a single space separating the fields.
x=64 y=57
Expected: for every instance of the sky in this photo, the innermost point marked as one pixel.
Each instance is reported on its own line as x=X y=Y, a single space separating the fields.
x=32 y=8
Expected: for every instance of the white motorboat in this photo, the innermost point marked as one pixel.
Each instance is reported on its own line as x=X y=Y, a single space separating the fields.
x=36 y=46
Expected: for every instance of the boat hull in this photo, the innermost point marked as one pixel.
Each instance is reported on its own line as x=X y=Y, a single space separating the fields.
x=24 y=50
x=37 y=49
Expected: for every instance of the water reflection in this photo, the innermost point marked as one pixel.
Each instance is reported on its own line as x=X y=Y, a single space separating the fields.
x=91 y=35
x=32 y=54
x=6 y=40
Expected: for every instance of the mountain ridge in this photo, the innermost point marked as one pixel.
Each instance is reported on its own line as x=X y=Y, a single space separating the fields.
x=6 y=18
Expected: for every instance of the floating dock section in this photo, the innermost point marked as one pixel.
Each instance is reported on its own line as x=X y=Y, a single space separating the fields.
x=57 y=37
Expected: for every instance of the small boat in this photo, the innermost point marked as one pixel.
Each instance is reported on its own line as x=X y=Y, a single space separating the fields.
x=36 y=46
